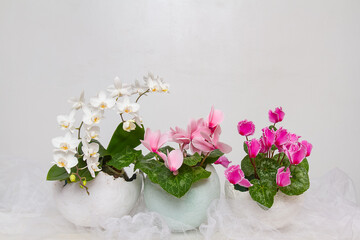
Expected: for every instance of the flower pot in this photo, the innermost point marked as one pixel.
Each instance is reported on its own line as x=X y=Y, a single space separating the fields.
x=282 y=212
x=109 y=197
x=189 y=211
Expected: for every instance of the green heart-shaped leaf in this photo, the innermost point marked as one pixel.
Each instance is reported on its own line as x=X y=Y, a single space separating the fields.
x=263 y=192
x=299 y=181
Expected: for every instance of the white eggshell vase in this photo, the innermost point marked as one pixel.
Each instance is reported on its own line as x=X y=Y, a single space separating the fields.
x=189 y=211
x=282 y=212
x=109 y=197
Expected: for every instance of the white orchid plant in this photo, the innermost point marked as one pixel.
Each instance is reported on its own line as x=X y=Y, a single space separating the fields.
x=79 y=156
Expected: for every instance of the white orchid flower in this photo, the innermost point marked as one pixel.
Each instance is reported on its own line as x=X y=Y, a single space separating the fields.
x=137 y=119
x=66 y=122
x=129 y=125
x=102 y=102
x=92 y=132
x=91 y=117
x=93 y=167
x=152 y=83
x=66 y=160
x=119 y=89
x=164 y=87
x=66 y=144
x=90 y=151
x=127 y=107
x=77 y=103
x=138 y=88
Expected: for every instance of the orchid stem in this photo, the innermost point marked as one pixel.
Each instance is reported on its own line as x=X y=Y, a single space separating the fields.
x=80 y=180
x=79 y=128
x=141 y=95
x=122 y=118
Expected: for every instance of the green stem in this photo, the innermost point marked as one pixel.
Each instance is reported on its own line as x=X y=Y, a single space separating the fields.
x=141 y=95
x=79 y=128
x=80 y=180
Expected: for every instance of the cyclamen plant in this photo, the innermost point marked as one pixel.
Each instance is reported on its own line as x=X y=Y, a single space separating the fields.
x=175 y=170
x=263 y=173
x=79 y=156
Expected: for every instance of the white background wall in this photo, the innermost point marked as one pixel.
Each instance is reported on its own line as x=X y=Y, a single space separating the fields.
x=245 y=57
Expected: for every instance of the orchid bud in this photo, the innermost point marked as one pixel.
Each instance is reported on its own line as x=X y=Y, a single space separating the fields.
x=246 y=128
x=72 y=178
x=277 y=115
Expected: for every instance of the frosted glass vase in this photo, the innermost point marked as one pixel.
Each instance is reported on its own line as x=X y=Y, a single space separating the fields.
x=189 y=211
x=109 y=197
x=282 y=212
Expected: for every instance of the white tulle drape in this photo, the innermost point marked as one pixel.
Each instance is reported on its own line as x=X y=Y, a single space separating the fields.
x=27 y=211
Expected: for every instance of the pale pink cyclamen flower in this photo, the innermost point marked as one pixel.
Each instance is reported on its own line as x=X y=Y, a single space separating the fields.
x=236 y=176
x=173 y=160
x=210 y=142
x=180 y=136
x=308 y=146
x=253 y=147
x=246 y=128
x=283 y=178
x=277 y=115
x=154 y=140
x=296 y=152
x=215 y=118
x=194 y=129
x=223 y=160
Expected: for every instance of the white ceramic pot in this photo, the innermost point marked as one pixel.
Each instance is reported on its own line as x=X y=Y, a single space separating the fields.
x=189 y=211
x=109 y=197
x=282 y=212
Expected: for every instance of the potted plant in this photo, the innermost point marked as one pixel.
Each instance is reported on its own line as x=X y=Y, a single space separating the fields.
x=181 y=182
x=91 y=181
x=274 y=173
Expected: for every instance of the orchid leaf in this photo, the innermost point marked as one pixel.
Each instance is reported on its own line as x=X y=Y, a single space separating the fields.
x=193 y=160
x=263 y=192
x=122 y=139
x=299 y=181
x=200 y=173
x=57 y=173
x=124 y=159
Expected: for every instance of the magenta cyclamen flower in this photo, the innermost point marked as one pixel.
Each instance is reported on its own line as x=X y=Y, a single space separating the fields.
x=236 y=176
x=277 y=115
x=154 y=140
x=283 y=178
x=223 y=161
x=268 y=137
x=308 y=147
x=281 y=138
x=246 y=128
x=173 y=160
x=296 y=152
x=253 y=147
x=215 y=118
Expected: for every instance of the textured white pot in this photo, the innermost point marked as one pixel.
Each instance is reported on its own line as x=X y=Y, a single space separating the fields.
x=109 y=197
x=283 y=211
x=189 y=211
